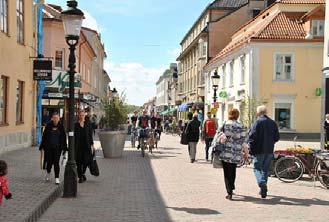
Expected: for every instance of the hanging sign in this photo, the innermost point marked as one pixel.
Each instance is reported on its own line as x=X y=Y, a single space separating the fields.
x=42 y=70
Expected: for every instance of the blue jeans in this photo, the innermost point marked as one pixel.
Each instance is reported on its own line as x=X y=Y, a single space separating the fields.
x=261 y=167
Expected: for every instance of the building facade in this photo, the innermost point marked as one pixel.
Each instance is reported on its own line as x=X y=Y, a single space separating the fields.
x=276 y=59
x=18 y=45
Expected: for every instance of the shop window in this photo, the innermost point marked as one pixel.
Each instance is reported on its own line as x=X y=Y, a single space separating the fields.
x=4 y=81
x=283 y=67
x=318 y=28
x=282 y=112
x=19 y=101
x=20 y=20
x=4 y=16
x=59 y=59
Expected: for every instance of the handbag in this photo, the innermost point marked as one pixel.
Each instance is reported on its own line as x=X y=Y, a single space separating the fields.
x=93 y=167
x=217 y=162
x=183 y=139
x=220 y=147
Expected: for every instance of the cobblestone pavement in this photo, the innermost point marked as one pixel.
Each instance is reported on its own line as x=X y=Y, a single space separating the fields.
x=31 y=194
x=166 y=187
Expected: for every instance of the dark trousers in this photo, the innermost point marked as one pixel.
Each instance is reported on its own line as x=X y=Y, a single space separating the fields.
x=208 y=142
x=229 y=176
x=53 y=158
x=81 y=169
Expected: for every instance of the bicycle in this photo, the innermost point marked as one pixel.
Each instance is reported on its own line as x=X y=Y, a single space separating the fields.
x=292 y=167
x=143 y=140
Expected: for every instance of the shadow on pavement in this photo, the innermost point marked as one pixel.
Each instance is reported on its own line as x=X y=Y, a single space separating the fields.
x=198 y=211
x=279 y=200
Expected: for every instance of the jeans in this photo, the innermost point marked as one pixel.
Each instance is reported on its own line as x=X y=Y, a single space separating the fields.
x=261 y=167
x=208 y=142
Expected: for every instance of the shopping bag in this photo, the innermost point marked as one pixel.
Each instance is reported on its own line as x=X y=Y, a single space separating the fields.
x=217 y=162
x=93 y=167
x=183 y=139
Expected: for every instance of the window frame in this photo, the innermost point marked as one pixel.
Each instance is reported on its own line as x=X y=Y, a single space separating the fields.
x=223 y=76
x=317 y=23
x=21 y=87
x=231 y=75
x=20 y=27
x=63 y=59
x=292 y=111
x=292 y=68
x=5 y=80
x=242 y=69
x=4 y=17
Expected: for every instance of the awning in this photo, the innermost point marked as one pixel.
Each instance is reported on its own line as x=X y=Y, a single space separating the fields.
x=184 y=107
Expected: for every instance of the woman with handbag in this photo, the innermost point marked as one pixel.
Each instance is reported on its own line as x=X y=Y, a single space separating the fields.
x=234 y=137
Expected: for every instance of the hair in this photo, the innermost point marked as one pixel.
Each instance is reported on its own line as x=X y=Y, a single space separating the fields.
x=261 y=110
x=190 y=116
x=81 y=111
x=3 y=168
x=54 y=114
x=195 y=115
x=233 y=114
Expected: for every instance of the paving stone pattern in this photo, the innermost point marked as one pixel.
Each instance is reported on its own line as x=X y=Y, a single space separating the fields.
x=165 y=187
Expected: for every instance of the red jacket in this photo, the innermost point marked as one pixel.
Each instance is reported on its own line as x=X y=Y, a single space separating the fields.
x=4 y=190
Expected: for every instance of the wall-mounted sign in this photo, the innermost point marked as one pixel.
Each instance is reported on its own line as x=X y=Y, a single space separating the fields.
x=61 y=80
x=318 y=91
x=42 y=70
x=223 y=94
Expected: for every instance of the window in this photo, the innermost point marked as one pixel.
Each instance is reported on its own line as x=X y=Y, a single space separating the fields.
x=231 y=73
x=19 y=101
x=4 y=16
x=223 y=76
x=282 y=112
x=243 y=69
x=3 y=99
x=59 y=59
x=283 y=67
x=318 y=28
x=20 y=21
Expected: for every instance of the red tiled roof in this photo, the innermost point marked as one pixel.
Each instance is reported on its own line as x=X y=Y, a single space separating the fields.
x=302 y=1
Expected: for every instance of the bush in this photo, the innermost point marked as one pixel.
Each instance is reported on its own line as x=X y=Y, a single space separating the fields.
x=115 y=114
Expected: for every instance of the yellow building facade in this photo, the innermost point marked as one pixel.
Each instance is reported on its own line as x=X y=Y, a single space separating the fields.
x=17 y=88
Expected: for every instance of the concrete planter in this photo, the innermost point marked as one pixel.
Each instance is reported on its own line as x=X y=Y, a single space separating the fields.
x=112 y=143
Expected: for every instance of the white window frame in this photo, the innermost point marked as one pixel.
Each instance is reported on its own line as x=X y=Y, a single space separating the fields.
x=317 y=24
x=290 y=100
x=223 y=68
x=242 y=69
x=63 y=59
x=231 y=75
x=292 y=74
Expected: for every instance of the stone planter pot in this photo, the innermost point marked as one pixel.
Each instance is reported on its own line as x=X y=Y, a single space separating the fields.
x=112 y=143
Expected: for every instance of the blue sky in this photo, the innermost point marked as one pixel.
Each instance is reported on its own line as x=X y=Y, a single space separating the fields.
x=141 y=38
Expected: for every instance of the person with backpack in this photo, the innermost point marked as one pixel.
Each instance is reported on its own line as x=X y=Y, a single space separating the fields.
x=209 y=130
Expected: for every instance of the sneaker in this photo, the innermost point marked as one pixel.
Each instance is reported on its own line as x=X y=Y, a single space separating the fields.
x=57 y=181
x=47 y=178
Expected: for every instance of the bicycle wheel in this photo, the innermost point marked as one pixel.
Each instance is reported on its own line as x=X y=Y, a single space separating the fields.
x=143 y=149
x=322 y=172
x=133 y=140
x=289 y=169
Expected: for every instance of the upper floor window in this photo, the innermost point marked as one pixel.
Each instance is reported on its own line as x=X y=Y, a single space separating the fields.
x=4 y=81
x=4 y=16
x=20 y=20
x=59 y=59
x=223 y=76
x=283 y=67
x=231 y=72
x=243 y=68
x=318 y=28
x=19 y=102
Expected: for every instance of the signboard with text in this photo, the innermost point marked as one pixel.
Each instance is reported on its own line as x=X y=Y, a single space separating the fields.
x=61 y=80
x=42 y=70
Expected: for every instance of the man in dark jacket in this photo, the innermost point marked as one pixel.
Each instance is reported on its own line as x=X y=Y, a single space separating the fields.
x=193 y=134
x=263 y=135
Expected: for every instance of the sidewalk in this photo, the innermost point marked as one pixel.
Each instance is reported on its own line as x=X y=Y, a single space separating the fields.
x=31 y=194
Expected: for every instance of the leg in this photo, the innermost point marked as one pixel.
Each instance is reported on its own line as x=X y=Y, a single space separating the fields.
x=229 y=176
x=266 y=166
x=80 y=170
x=192 y=150
x=50 y=159
x=208 y=142
x=56 y=163
x=258 y=168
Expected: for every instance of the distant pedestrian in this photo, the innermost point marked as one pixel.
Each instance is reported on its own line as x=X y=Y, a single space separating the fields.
x=263 y=135
x=4 y=188
x=84 y=145
x=53 y=145
x=193 y=134
x=209 y=129
x=234 y=136
x=326 y=128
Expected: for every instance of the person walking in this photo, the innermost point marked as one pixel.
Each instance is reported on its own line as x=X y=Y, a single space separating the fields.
x=84 y=145
x=193 y=134
x=234 y=135
x=209 y=130
x=4 y=189
x=263 y=134
x=326 y=129
x=53 y=144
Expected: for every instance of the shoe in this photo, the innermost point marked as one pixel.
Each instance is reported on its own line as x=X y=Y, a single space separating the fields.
x=84 y=178
x=47 y=178
x=192 y=160
x=139 y=146
x=57 y=181
x=263 y=191
x=229 y=196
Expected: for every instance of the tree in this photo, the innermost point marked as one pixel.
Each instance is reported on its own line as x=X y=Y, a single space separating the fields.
x=248 y=110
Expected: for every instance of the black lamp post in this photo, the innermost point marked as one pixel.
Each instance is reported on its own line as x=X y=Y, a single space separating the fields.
x=114 y=93
x=215 y=83
x=72 y=21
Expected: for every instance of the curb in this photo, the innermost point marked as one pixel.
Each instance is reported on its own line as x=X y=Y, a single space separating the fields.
x=45 y=204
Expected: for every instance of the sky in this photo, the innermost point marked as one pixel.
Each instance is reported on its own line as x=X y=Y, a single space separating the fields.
x=141 y=37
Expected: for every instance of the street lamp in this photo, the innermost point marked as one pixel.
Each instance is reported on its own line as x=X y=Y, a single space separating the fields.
x=72 y=21
x=215 y=83
x=114 y=93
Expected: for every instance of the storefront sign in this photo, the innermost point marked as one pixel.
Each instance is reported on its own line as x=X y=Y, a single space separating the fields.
x=223 y=94
x=61 y=95
x=61 y=80
x=42 y=70
x=318 y=92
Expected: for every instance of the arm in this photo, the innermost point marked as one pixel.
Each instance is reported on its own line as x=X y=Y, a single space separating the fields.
x=90 y=132
x=5 y=189
x=44 y=139
x=252 y=135
x=276 y=134
x=64 y=143
x=203 y=130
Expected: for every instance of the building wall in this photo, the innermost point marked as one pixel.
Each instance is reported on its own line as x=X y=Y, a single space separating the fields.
x=15 y=63
x=307 y=77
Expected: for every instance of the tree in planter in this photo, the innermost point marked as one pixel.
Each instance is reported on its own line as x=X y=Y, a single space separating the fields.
x=115 y=114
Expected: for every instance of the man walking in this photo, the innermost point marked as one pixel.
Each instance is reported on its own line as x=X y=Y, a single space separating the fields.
x=263 y=135
x=192 y=134
x=209 y=129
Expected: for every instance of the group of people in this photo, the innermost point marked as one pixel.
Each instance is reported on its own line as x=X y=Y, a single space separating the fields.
x=54 y=145
x=238 y=143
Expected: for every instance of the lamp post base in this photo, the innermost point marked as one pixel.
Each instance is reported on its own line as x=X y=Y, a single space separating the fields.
x=70 y=181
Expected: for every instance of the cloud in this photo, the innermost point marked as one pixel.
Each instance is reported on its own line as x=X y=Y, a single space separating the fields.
x=136 y=80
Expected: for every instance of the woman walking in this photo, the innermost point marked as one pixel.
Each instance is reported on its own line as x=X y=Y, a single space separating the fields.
x=193 y=134
x=53 y=144
x=234 y=136
x=84 y=145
